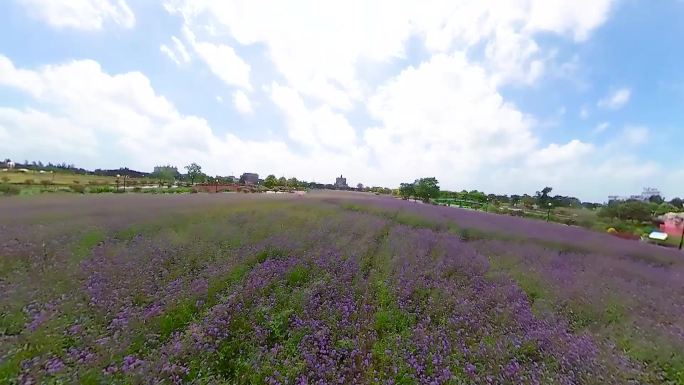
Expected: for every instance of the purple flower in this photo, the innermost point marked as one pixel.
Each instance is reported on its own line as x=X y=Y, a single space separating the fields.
x=54 y=365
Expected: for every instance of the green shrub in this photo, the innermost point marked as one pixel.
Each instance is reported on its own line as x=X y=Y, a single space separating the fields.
x=29 y=181
x=137 y=189
x=77 y=182
x=101 y=189
x=77 y=188
x=46 y=182
x=8 y=189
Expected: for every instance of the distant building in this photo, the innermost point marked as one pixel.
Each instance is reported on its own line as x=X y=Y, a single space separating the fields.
x=249 y=178
x=9 y=164
x=341 y=182
x=645 y=195
x=649 y=193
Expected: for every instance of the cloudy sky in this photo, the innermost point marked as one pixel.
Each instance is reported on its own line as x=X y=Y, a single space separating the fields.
x=505 y=96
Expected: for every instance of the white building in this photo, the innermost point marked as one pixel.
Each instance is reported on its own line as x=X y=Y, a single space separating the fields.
x=645 y=195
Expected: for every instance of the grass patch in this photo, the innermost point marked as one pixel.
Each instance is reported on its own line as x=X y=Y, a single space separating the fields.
x=86 y=243
x=297 y=276
x=177 y=318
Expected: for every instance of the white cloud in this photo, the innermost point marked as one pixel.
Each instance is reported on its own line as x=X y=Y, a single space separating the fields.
x=222 y=61
x=577 y=18
x=319 y=128
x=169 y=52
x=88 y=15
x=29 y=130
x=616 y=100
x=446 y=113
x=242 y=103
x=88 y=113
x=178 y=54
x=601 y=127
x=182 y=51
x=324 y=64
x=555 y=154
x=512 y=57
x=584 y=112
x=635 y=135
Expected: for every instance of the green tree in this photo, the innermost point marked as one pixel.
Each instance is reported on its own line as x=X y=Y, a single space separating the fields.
x=657 y=199
x=665 y=208
x=407 y=190
x=282 y=182
x=270 y=181
x=476 y=196
x=194 y=171
x=292 y=183
x=527 y=201
x=678 y=203
x=427 y=188
x=543 y=198
x=631 y=210
x=164 y=175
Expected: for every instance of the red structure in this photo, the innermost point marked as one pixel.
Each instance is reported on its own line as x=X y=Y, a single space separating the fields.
x=216 y=188
x=673 y=224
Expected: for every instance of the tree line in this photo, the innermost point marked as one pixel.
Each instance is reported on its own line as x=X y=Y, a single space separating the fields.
x=641 y=211
x=424 y=189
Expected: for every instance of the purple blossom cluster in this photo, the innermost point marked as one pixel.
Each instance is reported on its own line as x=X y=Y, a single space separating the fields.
x=226 y=289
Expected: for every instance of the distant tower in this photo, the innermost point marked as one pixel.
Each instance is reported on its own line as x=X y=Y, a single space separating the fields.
x=341 y=182
x=650 y=192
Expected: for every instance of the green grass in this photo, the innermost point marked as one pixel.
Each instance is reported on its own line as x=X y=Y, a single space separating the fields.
x=297 y=276
x=60 y=178
x=85 y=244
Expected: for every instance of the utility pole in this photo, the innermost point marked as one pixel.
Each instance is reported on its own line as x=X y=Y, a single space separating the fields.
x=681 y=240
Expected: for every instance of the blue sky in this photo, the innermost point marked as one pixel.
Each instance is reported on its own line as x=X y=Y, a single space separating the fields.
x=510 y=96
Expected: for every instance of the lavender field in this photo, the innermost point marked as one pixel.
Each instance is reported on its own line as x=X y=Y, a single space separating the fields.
x=330 y=288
